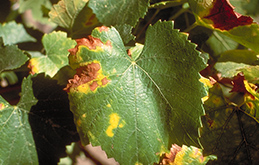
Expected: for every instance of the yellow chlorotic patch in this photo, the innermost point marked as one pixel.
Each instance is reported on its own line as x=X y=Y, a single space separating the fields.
x=206 y=82
x=108 y=105
x=122 y=124
x=91 y=136
x=33 y=65
x=114 y=123
x=205 y=98
x=99 y=81
x=84 y=115
x=138 y=163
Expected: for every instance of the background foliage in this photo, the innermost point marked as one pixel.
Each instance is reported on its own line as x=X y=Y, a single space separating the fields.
x=149 y=81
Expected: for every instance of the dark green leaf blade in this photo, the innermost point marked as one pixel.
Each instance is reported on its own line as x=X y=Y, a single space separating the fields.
x=14 y=33
x=111 y=12
x=16 y=140
x=11 y=57
x=56 y=45
x=127 y=107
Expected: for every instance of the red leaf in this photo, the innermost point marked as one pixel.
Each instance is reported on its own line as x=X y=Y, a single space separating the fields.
x=225 y=18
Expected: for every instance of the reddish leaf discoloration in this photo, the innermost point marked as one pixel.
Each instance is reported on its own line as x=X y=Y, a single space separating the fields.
x=169 y=157
x=225 y=18
x=105 y=81
x=103 y=28
x=1 y=106
x=91 y=42
x=238 y=84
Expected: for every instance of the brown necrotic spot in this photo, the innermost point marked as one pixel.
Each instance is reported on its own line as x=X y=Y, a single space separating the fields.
x=89 y=75
x=90 y=42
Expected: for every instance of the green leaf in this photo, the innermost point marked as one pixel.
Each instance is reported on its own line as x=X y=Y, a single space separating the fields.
x=229 y=69
x=56 y=45
x=167 y=4
x=11 y=57
x=219 y=43
x=75 y=16
x=240 y=56
x=228 y=131
x=135 y=108
x=65 y=12
x=36 y=9
x=16 y=140
x=251 y=73
x=14 y=33
x=125 y=32
x=112 y=12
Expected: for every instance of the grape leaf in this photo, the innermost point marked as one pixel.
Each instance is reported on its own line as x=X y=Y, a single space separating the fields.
x=14 y=33
x=75 y=16
x=219 y=15
x=219 y=43
x=110 y=12
x=11 y=57
x=185 y=155
x=37 y=10
x=251 y=73
x=135 y=108
x=239 y=56
x=56 y=45
x=16 y=140
x=228 y=131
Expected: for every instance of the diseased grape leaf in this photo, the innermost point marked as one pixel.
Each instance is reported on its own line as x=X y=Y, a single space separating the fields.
x=16 y=140
x=11 y=57
x=13 y=33
x=135 y=107
x=56 y=45
x=220 y=16
x=75 y=16
x=228 y=131
x=185 y=155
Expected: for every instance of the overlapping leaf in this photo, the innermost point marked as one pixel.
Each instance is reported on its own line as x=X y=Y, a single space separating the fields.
x=124 y=14
x=11 y=57
x=56 y=45
x=229 y=131
x=74 y=16
x=135 y=107
x=111 y=12
x=14 y=33
x=16 y=140
x=185 y=155
x=36 y=9
x=219 y=15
